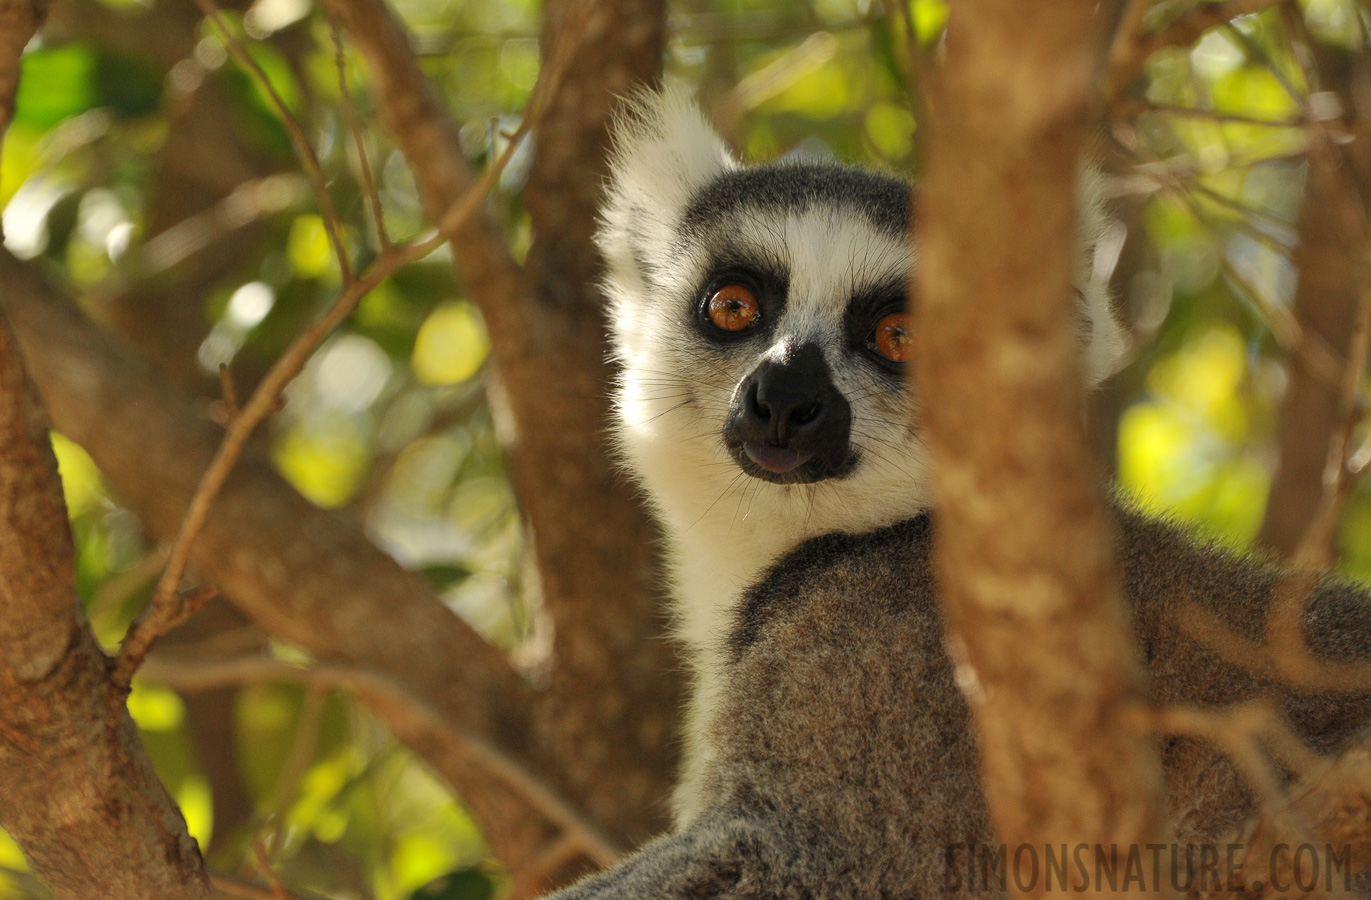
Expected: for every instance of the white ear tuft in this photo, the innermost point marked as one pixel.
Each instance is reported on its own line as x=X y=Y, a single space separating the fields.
x=664 y=151
x=1103 y=339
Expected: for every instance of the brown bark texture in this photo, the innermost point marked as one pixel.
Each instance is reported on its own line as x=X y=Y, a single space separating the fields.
x=1024 y=563
x=79 y=794
x=610 y=708
x=1337 y=192
x=19 y=20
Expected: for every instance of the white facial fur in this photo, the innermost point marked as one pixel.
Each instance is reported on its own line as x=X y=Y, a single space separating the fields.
x=833 y=242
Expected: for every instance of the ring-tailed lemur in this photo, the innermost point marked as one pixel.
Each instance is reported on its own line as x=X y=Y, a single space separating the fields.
x=759 y=317
x=758 y=314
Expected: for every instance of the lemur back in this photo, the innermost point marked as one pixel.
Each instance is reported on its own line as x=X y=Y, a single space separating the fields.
x=845 y=765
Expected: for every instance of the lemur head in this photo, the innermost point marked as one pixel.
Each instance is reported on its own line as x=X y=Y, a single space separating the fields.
x=760 y=316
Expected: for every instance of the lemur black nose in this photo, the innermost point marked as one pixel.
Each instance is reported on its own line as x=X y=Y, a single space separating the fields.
x=788 y=414
x=781 y=404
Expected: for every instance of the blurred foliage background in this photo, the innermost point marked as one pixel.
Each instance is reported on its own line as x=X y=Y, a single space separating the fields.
x=390 y=420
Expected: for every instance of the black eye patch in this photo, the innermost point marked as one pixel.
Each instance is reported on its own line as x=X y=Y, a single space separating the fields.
x=869 y=306
x=766 y=279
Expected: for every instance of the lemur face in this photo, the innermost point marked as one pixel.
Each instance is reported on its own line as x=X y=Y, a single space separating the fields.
x=788 y=293
x=761 y=322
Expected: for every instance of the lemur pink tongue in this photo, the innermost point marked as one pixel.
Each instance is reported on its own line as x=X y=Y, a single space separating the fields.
x=775 y=459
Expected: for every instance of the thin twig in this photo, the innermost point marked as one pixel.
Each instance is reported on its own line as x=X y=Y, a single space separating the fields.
x=354 y=126
x=1236 y=731
x=1128 y=110
x=1315 y=549
x=229 y=392
x=560 y=852
x=389 y=695
x=247 y=203
x=302 y=749
x=1293 y=666
x=165 y=607
x=237 y=887
x=1132 y=50
x=1128 y=34
x=279 y=891
x=120 y=586
x=308 y=158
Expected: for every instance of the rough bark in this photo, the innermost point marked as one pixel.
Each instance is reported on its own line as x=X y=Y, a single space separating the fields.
x=613 y=701
x=1337 y=193
x=76 y=789
x=307 y=575
x=613 y=697
x=19 y=20
x=1024 y=563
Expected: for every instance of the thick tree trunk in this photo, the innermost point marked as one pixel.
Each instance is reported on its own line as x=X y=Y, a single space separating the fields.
x=1024 y=560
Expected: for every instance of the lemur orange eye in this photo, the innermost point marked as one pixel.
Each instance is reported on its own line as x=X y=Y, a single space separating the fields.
x=892 y=339
x=733 y=308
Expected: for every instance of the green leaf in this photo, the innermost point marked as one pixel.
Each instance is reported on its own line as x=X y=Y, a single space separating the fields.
x=56 y=84
x=443 y=576
x=128 y=86
x=464 y=884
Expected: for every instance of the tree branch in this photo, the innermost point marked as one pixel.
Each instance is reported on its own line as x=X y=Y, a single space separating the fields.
x=610 y=709
x=1335 y=804
x=1023 y=557
x=396 y=704
x=306 y=575
x=1132 y=48
x=76 y=789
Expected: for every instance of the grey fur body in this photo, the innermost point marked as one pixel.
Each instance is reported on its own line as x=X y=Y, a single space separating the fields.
x=844 y=759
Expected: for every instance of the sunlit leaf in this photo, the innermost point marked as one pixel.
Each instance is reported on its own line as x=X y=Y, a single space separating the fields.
x=418 y=859
x=308 y=247
x=451 y=345
x=193 y=796
x=155 y=708
x=1335 y=21
x=325 y=464
x=1204 y=376
x=11 y=857
x=819 y=94
x=20 y=158
x=55 y=83
x=82 y=484
x=1253 y=91
x=930 y=17
x=891 y=129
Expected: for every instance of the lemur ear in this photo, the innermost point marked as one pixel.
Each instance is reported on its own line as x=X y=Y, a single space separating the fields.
x=1102 y=339
x=664 y=151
